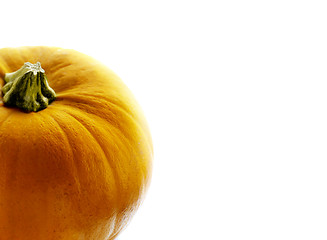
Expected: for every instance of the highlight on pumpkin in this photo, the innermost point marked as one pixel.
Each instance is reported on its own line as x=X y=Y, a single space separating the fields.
x=28 y=88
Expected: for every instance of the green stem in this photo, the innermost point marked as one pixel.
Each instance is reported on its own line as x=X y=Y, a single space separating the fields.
x=28 y=89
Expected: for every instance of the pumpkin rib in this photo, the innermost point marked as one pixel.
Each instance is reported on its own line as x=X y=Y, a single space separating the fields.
x=118 y=227
x=110 y=164
x=60 y=124
x=78 y=98
x=86 y=98
x=120 y=129
x=140 y=129
x=93 y=105
x=6 y=118
x=59 y=67
x=117 y=183
x=64 y=134
x=7 y=177
x=105 y=98
x=114 y=222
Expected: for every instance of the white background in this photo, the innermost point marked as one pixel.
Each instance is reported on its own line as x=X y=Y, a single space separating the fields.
x=235 y=95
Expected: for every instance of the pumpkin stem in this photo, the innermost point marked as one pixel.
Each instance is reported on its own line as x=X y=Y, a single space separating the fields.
x=28 y=88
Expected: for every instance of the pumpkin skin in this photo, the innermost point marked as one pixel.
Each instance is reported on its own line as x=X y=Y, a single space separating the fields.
x=79 y=169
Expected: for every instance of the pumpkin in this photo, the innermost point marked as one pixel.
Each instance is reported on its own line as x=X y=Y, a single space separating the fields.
x=75 y=148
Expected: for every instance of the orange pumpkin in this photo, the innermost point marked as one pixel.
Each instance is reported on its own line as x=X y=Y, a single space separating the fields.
x=75 y=148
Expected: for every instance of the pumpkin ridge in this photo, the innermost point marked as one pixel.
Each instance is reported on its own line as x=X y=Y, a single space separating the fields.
x=74 y=100
x=76 y=176
x=5 y=119
x=97 y=96
x=122 y=130
x=112 y=167
x=117 y=184
x=109 y=102
x=7 y=182
x=92 y=106
x=126 y=138
x=59 y=67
